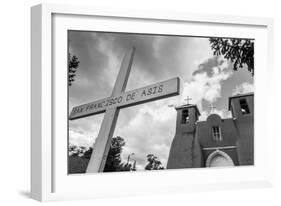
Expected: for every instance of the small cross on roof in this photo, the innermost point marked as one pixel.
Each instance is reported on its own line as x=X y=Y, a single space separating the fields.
x=187 y=99
x=212 y=107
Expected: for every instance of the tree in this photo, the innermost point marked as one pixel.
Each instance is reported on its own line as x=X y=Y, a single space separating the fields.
x=88 y=153
x=73 y=64
x=76 y=162
x=239 y=51
x=74 y=151
x=153 y=163
x=113 y=161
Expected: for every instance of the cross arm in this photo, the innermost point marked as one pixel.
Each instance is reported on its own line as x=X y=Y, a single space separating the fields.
x=142 y=95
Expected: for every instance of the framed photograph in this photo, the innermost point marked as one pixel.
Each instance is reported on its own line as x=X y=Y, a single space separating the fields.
x=121 y=99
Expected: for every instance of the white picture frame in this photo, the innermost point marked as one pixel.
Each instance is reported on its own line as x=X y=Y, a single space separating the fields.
x=49 y=179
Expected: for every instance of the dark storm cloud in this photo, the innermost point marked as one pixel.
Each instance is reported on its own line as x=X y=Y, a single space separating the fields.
x=145 y=58
x=157 y=56
x=85 y=46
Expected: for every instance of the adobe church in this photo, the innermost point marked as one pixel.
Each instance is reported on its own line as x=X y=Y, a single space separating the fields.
x=216 y=141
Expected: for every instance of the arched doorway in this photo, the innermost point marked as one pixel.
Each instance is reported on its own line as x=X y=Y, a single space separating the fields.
x=219 y=159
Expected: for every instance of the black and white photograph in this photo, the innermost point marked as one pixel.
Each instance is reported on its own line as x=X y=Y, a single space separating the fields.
x=140 y=102
x=121 y=103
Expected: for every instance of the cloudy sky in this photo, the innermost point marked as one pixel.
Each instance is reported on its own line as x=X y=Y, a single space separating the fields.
x=149 y=128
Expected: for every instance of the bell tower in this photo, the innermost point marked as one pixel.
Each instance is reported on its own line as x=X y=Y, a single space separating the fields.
x=242 y=109
x=185 y=149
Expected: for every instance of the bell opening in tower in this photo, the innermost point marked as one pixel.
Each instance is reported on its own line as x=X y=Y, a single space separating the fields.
x=185 y=116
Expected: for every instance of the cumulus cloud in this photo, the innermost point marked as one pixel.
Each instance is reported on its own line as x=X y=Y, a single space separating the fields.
x=243 y=88
x=83 y=132
x=206 y=82
x=206 y=85
x=149 y=132
x=78 y=137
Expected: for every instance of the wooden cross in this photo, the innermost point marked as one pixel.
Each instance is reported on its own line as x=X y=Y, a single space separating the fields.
x=111 y=105
x=187 y=99
x=212 y=108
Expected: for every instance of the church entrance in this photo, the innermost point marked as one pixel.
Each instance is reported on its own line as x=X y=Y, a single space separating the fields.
x=219 y=159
